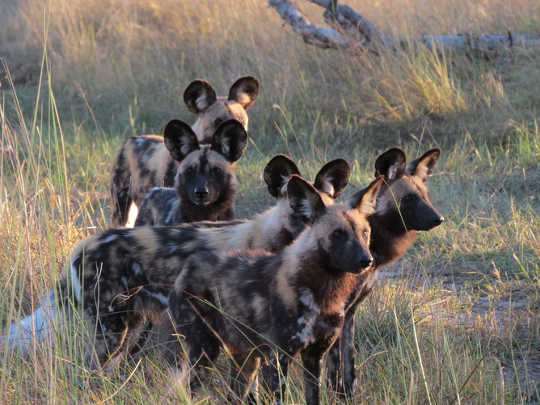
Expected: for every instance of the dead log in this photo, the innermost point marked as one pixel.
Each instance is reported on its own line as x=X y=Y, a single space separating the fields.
x=354 y=25
x=319 y=36
x=350 y=30
x=480 y=44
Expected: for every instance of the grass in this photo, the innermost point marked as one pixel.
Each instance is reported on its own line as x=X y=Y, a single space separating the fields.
x=456 y=321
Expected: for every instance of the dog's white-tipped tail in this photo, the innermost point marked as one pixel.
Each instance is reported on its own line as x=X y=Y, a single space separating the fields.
x=36 y=327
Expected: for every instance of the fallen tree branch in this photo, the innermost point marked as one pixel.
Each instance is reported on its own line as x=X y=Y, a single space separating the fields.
x=481 y=44
x=353 y=31
x=354 y=24
x=319 y=36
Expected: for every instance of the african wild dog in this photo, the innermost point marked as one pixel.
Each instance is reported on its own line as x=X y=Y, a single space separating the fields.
x=143 y=162
x=259 y=304
x=403 y=207
x=205 y=183
x=123 y=276
x=162 y=206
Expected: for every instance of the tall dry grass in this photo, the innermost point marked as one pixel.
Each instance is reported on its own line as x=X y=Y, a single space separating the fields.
x=122 y=56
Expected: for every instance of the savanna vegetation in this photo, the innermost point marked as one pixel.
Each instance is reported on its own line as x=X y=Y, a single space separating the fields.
x=455 y=322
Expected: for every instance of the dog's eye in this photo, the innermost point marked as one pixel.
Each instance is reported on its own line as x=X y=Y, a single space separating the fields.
x=216 y=171
x=339 y=235
x=409 y=198
x=190 y=170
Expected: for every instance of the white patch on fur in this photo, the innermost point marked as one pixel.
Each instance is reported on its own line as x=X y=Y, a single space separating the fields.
x=306 y=241
x=185 y=148
x=307 y=320
x=137 y=269
x=159 y=296
x=33 y=328
x=198 y=128
x=305 y=335
x=392 y=171
x=304 y=208
x=75 y=282
x=272 y=218
x=306 y=298
x=284 y=182
x=225 y=146
x=327 y=186
x=132 y=215
x=243 y=98
x=201 y=102
x=172 y=211
x=172 y=247
x=109 y=238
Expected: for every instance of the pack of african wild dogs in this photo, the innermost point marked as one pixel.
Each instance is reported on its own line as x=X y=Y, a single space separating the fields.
x=178 y=268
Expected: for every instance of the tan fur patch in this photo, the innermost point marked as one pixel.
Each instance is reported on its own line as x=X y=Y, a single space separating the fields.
x=327 y=200
x=284 y=288
x=222 y=110
x=326 y=224
x=254 y=234
x=224 y=239
x=420 y=186
x=361 y=224
x=131 y=156
x=158 y=162
x=332 y=306
x=155 y=164
x=145 y=236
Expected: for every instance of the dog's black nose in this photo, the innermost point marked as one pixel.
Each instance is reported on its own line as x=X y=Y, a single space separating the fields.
x=201 y=192
x=368 y=261
x=439 y=220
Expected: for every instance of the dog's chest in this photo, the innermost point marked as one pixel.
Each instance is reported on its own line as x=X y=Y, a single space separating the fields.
x=312 y=325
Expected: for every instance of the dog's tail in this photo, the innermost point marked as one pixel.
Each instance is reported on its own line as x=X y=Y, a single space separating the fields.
x=55 y=308
x=33 y=329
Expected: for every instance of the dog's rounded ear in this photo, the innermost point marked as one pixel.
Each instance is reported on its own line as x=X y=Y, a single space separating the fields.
x=391 y=164
x=230 y=140
x=277 y=173
x=365 y=200
x=333 y=177
x=180 y=139
x=199 y=95
x=304 y=199
x=423 y=166
x=245 y=91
